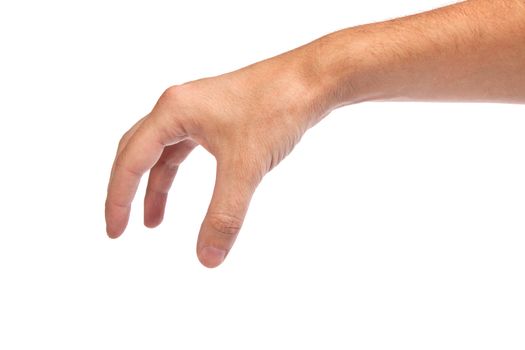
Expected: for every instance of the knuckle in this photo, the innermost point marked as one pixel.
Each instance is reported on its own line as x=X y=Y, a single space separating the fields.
x=171 y=95
x=226 y=224
x=175 y=111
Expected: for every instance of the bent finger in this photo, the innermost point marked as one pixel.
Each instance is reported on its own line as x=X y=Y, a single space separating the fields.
x=161 y=177
x=124 y=141
x=140 y=154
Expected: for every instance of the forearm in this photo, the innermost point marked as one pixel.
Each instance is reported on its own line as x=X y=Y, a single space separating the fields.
x=471 y=51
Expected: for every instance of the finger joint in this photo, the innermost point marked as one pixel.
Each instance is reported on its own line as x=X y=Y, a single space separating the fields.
x=226 y=224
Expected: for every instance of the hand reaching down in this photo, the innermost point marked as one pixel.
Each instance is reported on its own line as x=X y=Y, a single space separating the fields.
x=249 y=120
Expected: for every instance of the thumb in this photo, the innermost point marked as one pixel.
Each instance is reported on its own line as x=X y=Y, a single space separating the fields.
x=234 y=187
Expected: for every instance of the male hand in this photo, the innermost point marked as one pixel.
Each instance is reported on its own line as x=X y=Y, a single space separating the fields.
x=248 y=119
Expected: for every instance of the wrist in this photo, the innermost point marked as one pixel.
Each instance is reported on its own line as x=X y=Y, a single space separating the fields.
x=348 y=70
x=310 y=80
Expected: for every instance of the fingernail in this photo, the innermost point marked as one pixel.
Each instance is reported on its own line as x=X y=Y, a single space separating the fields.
x=211 y=256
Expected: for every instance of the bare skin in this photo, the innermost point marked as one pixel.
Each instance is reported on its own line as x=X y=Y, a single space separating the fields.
x=250 y=119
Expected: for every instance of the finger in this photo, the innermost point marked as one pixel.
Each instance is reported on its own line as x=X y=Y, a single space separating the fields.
x=140 y=154
x=124 y=141
x=129 y=134
x=234 y=187
x=160 y=179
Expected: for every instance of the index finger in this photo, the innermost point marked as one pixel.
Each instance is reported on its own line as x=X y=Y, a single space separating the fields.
x=141 y=152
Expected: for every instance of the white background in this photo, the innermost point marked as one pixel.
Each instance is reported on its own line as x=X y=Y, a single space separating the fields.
x=390 y=226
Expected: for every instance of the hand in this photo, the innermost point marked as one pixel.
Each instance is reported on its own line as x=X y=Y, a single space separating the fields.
x=248 y=119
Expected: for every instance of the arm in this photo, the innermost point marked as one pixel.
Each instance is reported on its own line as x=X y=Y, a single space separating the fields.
x=251 y=119
x=471 y=51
